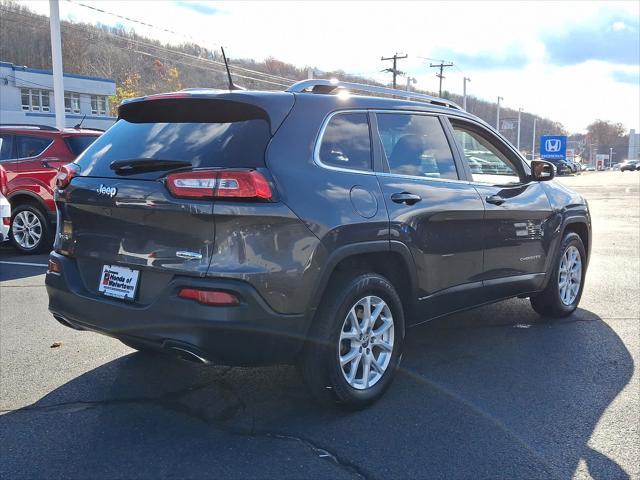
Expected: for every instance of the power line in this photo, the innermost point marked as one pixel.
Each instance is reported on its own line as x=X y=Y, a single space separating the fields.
x=90 y=33
x=146 y=24
x=161 y=48
x=394 y=70
x=440 y=75
x=133 y=20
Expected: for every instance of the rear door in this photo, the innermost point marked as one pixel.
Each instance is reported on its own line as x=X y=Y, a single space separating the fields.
x=128 y=217
x=436 y=214
x=519 y=221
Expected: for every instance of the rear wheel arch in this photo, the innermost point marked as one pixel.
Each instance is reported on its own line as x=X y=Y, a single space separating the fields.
x=27 y=198
x=392 y=260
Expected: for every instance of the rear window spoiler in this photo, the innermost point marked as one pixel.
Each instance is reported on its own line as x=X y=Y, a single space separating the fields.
x=186 y=107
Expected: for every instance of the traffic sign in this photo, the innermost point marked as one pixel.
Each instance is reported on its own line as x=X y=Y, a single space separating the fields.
x=553 y=146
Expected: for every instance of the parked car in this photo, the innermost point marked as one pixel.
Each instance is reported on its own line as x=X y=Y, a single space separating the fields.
x=562 y=166
x=305 y=227
x=631 y=165
x=30 y=156
x=5 y=218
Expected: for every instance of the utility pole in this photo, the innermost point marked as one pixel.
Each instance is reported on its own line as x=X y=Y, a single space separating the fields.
x=533 y=140
x=394 y=70
x=519 y=122
x=464 y=92
x=441 y=66
x=611 y=152
x=56 y=58
x=410 y=80
x=498 y=115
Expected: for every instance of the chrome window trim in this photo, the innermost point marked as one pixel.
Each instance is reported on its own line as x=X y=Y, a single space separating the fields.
x=316 y=150
x=320 y=136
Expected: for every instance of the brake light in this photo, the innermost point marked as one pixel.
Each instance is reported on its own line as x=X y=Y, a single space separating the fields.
x=209 y=297
x=248 y=184
x=65 y=174
x=54 y=266
x=162 y=96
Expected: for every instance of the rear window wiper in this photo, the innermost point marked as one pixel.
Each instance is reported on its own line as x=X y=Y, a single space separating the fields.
x=146 y=165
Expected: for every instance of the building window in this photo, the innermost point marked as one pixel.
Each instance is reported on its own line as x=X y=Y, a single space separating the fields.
x=71 y=102
x=99 y=105
x=35 y=100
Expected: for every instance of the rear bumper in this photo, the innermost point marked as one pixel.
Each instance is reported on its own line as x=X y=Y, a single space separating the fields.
x=248 y=334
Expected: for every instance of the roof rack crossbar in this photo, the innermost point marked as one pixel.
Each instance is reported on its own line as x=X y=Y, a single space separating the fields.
x=328 y=86
x=30 y=125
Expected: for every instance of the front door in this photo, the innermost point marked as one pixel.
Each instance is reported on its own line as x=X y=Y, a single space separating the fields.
x=438 y=216
x=519 y=221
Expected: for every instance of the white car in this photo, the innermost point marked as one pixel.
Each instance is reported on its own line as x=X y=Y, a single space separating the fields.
x=5 y=218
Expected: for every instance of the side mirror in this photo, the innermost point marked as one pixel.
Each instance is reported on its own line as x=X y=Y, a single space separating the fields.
x=542 y=171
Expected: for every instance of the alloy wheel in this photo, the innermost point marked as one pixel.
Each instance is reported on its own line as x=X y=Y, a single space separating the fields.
x=27 y=229
x=570 y=275
x=366 y=342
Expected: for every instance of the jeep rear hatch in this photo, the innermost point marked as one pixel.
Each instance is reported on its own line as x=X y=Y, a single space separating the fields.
x=142 y=194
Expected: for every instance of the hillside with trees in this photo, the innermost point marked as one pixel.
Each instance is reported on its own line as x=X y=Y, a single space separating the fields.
x=142 y=65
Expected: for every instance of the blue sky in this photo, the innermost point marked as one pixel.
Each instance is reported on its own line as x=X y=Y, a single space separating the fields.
x=572 y=61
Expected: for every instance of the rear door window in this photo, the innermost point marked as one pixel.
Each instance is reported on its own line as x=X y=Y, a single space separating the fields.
x=346 y=142
x=183 y=131
x=29 y=147
x=6 y=147
x=79 y=143
x=416 y=145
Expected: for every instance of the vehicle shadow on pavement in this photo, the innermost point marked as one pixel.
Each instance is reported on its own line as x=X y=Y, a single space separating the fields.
x=479 y=395
x=14 y=266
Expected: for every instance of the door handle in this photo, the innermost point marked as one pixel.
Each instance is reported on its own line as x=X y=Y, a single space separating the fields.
x=495 y=199
x=406 y=198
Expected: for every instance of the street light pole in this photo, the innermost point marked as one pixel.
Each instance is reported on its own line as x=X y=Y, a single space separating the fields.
x=533 y=140
x=464 y=92
x=498 y=115
x=610 y=157
x=56 y=57
x=519 y=122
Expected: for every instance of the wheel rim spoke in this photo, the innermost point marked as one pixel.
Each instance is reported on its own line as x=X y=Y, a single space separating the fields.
x=570 y=275
x=368 y=324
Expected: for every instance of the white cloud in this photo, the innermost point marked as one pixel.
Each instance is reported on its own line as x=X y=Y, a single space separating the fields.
x=352 y=36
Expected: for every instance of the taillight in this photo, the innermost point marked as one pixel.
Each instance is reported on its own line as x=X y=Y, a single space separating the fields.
x=65 y=174
x=248 y=184
x=209 y=297
x=192 y=184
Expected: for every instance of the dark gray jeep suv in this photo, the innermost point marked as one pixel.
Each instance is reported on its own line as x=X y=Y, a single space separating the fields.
x=312 y=226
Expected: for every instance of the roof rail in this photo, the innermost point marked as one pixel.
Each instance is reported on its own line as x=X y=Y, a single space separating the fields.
x=28 y=125
x=328 y=86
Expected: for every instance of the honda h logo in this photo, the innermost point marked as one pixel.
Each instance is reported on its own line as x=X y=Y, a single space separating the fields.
x=552 y=145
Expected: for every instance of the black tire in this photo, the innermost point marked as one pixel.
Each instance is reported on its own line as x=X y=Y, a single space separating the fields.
x=320 y=363
x=44 y=227
x=548 y=303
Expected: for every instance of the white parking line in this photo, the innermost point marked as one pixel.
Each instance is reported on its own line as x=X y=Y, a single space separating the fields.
x=25 y=264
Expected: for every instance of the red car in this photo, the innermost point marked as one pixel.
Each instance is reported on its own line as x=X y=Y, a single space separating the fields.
x=30 y=156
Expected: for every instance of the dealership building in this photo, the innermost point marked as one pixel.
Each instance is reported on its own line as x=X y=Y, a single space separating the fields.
x=26 y=97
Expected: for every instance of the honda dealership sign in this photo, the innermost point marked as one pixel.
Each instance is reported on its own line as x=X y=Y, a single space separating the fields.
x=553 y=147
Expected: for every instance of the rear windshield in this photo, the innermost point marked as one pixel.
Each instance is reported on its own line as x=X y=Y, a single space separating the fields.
x=238 y=142
x=79 y=143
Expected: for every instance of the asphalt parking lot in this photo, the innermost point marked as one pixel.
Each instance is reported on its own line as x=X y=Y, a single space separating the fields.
x=491 y=393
